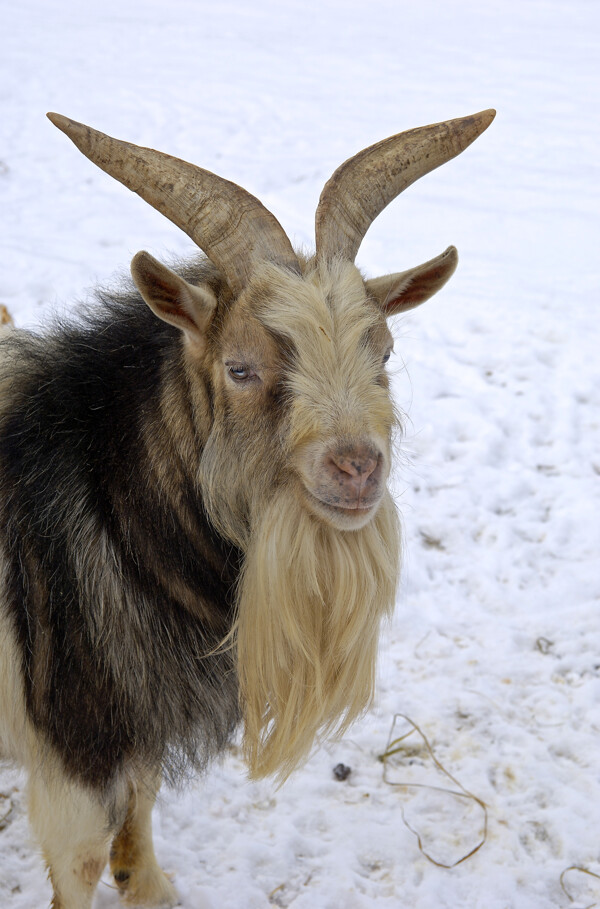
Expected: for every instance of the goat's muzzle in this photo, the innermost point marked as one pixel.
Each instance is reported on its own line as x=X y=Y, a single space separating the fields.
x=345 y=483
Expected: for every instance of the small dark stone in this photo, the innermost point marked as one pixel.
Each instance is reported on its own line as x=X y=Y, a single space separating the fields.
x=341 y=772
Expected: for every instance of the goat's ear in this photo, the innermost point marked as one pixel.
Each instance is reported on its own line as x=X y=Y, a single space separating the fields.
x=171 y=298
x=407 y=289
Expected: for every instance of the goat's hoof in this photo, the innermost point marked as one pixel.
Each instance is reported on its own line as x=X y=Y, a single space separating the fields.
x=149 y=887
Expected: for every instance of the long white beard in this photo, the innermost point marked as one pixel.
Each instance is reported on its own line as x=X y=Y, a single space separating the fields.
x=310 y=605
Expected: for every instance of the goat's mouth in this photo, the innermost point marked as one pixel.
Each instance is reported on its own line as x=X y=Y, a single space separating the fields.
x=346 y=516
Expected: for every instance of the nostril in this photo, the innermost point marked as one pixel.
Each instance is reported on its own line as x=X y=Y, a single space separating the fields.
x=355 y=466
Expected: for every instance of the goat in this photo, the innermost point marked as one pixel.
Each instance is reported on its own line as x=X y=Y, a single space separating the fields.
x=196 y=528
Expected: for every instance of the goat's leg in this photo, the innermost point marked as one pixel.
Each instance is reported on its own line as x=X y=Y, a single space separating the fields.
x=72 y=828
x=132 y=859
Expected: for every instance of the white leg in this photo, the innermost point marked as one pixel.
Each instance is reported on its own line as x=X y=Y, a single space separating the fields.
x=73 y=830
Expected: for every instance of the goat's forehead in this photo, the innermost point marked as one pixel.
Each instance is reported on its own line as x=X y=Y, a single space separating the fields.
x=326 y=309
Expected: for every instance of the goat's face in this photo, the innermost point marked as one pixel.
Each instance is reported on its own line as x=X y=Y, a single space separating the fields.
x=295 y=365
x=299 y=372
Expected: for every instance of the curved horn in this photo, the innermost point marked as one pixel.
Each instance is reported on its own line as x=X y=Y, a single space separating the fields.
x=362 y=187
x=232 y=227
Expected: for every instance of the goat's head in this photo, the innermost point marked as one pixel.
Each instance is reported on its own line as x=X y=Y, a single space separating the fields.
x=296 y=452
x=293 y=346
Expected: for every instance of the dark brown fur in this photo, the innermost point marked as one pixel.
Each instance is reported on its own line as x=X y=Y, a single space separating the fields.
x=114 y=651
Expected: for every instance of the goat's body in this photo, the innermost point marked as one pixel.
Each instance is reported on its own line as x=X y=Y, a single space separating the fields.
x=195 y=525
x=115 y=587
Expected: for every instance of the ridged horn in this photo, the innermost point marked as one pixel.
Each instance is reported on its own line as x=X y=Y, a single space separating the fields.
x=362 y=187
x=232 y=227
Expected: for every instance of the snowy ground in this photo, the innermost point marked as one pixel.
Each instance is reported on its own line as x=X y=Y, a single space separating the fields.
x=495 y=647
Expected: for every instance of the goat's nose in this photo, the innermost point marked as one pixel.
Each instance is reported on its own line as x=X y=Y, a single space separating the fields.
x=355 y=466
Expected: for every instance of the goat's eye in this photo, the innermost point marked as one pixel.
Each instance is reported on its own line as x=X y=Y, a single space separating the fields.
x=386 y=357
x=241 y=373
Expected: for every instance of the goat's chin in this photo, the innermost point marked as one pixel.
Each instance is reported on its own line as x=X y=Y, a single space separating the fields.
x=311 y=600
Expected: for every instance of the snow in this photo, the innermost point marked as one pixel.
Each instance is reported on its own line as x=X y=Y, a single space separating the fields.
x=494 y=651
